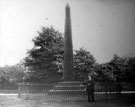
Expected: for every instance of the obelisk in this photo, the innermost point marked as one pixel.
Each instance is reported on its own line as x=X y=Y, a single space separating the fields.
x=68 y=48
x=68 y=86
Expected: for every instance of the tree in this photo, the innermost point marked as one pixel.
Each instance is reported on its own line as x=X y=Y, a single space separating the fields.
x=83 y=63
x=13 y=73
x=120 y=67
x=130 y=74
x=114 y=70
x=45 y=59
x=41 y=58
x=104 y=71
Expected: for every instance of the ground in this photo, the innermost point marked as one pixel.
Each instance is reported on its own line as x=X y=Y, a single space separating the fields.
x=14 y=101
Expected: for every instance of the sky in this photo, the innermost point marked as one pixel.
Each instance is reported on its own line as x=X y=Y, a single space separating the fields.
x=103 y=27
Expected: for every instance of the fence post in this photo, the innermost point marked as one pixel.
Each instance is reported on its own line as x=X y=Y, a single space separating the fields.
x=27 y=90
x=105 y=92
x=19 y=90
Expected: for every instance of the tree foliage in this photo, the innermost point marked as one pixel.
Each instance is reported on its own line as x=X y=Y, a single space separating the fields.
x=45 y=61
x=120 y=69
x=104 y=72
x=119 y=65
x=130 y=70
x=14 y=73
x=47 y=45
x=83 y=63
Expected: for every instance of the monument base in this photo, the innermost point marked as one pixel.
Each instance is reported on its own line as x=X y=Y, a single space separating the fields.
x=67 y=88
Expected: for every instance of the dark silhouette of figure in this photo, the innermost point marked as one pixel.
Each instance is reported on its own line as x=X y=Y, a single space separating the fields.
x=90 y=89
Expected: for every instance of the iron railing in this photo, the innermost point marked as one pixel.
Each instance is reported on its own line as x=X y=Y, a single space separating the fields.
x=103 y=91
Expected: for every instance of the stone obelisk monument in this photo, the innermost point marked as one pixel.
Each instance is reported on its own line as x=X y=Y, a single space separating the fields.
x=68 y=86
x=68 y=48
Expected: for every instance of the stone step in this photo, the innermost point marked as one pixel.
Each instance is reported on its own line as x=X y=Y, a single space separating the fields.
x=66 y=88
x=67 y=92
x=69 y=87
x=69 y=83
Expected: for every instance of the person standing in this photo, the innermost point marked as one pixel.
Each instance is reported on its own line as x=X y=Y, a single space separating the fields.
x=90 y=89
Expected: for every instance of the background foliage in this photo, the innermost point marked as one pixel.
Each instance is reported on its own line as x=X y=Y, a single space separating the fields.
x=44 y=63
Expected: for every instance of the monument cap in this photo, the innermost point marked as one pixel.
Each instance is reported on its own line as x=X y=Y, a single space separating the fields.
x=67 y=5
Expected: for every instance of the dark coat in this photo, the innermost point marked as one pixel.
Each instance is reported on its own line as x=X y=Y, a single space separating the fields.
x=90 y=86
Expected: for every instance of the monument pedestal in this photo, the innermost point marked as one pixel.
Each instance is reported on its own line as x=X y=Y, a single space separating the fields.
x=67 y=88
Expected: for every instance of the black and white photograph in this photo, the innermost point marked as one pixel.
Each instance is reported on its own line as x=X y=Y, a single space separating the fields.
x=67 y=53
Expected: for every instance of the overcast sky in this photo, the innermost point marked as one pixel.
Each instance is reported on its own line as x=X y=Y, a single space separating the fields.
x=103 y=27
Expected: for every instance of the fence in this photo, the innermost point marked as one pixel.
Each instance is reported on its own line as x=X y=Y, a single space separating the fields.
x=6 y=85
x=38 y=91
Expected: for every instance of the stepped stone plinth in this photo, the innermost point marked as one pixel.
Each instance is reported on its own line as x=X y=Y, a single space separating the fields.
x=67 y=88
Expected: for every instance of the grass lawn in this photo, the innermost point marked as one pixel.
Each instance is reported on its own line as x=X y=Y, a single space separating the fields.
x=14 y=101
